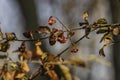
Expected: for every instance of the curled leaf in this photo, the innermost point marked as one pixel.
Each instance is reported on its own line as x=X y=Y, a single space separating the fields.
x=101 y=52
x=102 y=21
x=27 y=55
x=70 y=34
x=77 y=62
x=11 y=36
x=52 y=39
x=24 y=67
x=64 y=72
x=4 y=46
x=51 y=21
x=43 y=29
x=85 y=15
x=21 y=48
x=62 y=39
x=19 y=75
x=37 y=54
x=116 y=31
x=102 y=30
x=52 y=73
x=29 y=34
x=106 y=36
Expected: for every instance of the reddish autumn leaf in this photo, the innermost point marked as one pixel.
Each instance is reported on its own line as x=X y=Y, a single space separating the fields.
x=62 y=39
x=74 y=50
x=51 y=21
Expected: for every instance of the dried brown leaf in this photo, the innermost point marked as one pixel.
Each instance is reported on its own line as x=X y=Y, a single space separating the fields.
x=4 y=46
x=29 y=34
x=77 y=62
x=101 y=52
x=24 y=67
x=102 y=21
x=44 y=29
x=64 y=72
x=10 y=36
x=116 y=31
x=85 y=15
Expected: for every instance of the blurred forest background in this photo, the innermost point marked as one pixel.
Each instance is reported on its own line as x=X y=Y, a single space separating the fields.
x=21 y=15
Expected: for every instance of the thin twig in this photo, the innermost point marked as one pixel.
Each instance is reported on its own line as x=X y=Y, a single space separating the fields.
x=70 y=46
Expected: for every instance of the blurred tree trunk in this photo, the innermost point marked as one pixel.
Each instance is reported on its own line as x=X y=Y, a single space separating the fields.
x=29 y=12
x=115 y=9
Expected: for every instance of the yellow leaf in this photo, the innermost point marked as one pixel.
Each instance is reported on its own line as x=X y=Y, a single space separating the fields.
x=85 y=15
x=25 y=67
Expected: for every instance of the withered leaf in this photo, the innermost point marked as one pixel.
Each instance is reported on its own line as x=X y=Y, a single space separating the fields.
x=101 y=21
x=22 y=47
x=37 y=54
x=52 y=74
x=102 y=30
x=116 y=31
x=11 y=36
x=27 y=55
x=101 y=52
x=43 y=29
x=24 y=67
x=70 y=34
x=19 y=75
x=106 y=36
x=52 y=39
x=85 y=15
x=4 y=46
x=29 y=34
x=77 y=62
x=8 y=75
x=64 y=72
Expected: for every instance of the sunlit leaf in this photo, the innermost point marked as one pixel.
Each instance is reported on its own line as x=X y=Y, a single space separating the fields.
x=116 y=31
x=85 y=15
x=19 y=75
x=8 y=75
x=102 y=21
x=44 y=29
x=24 y=67
x=77 y=62
x=52 y=74
x=11 y=36
x=27 y=55
x=63 y=71
x=37 y=54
